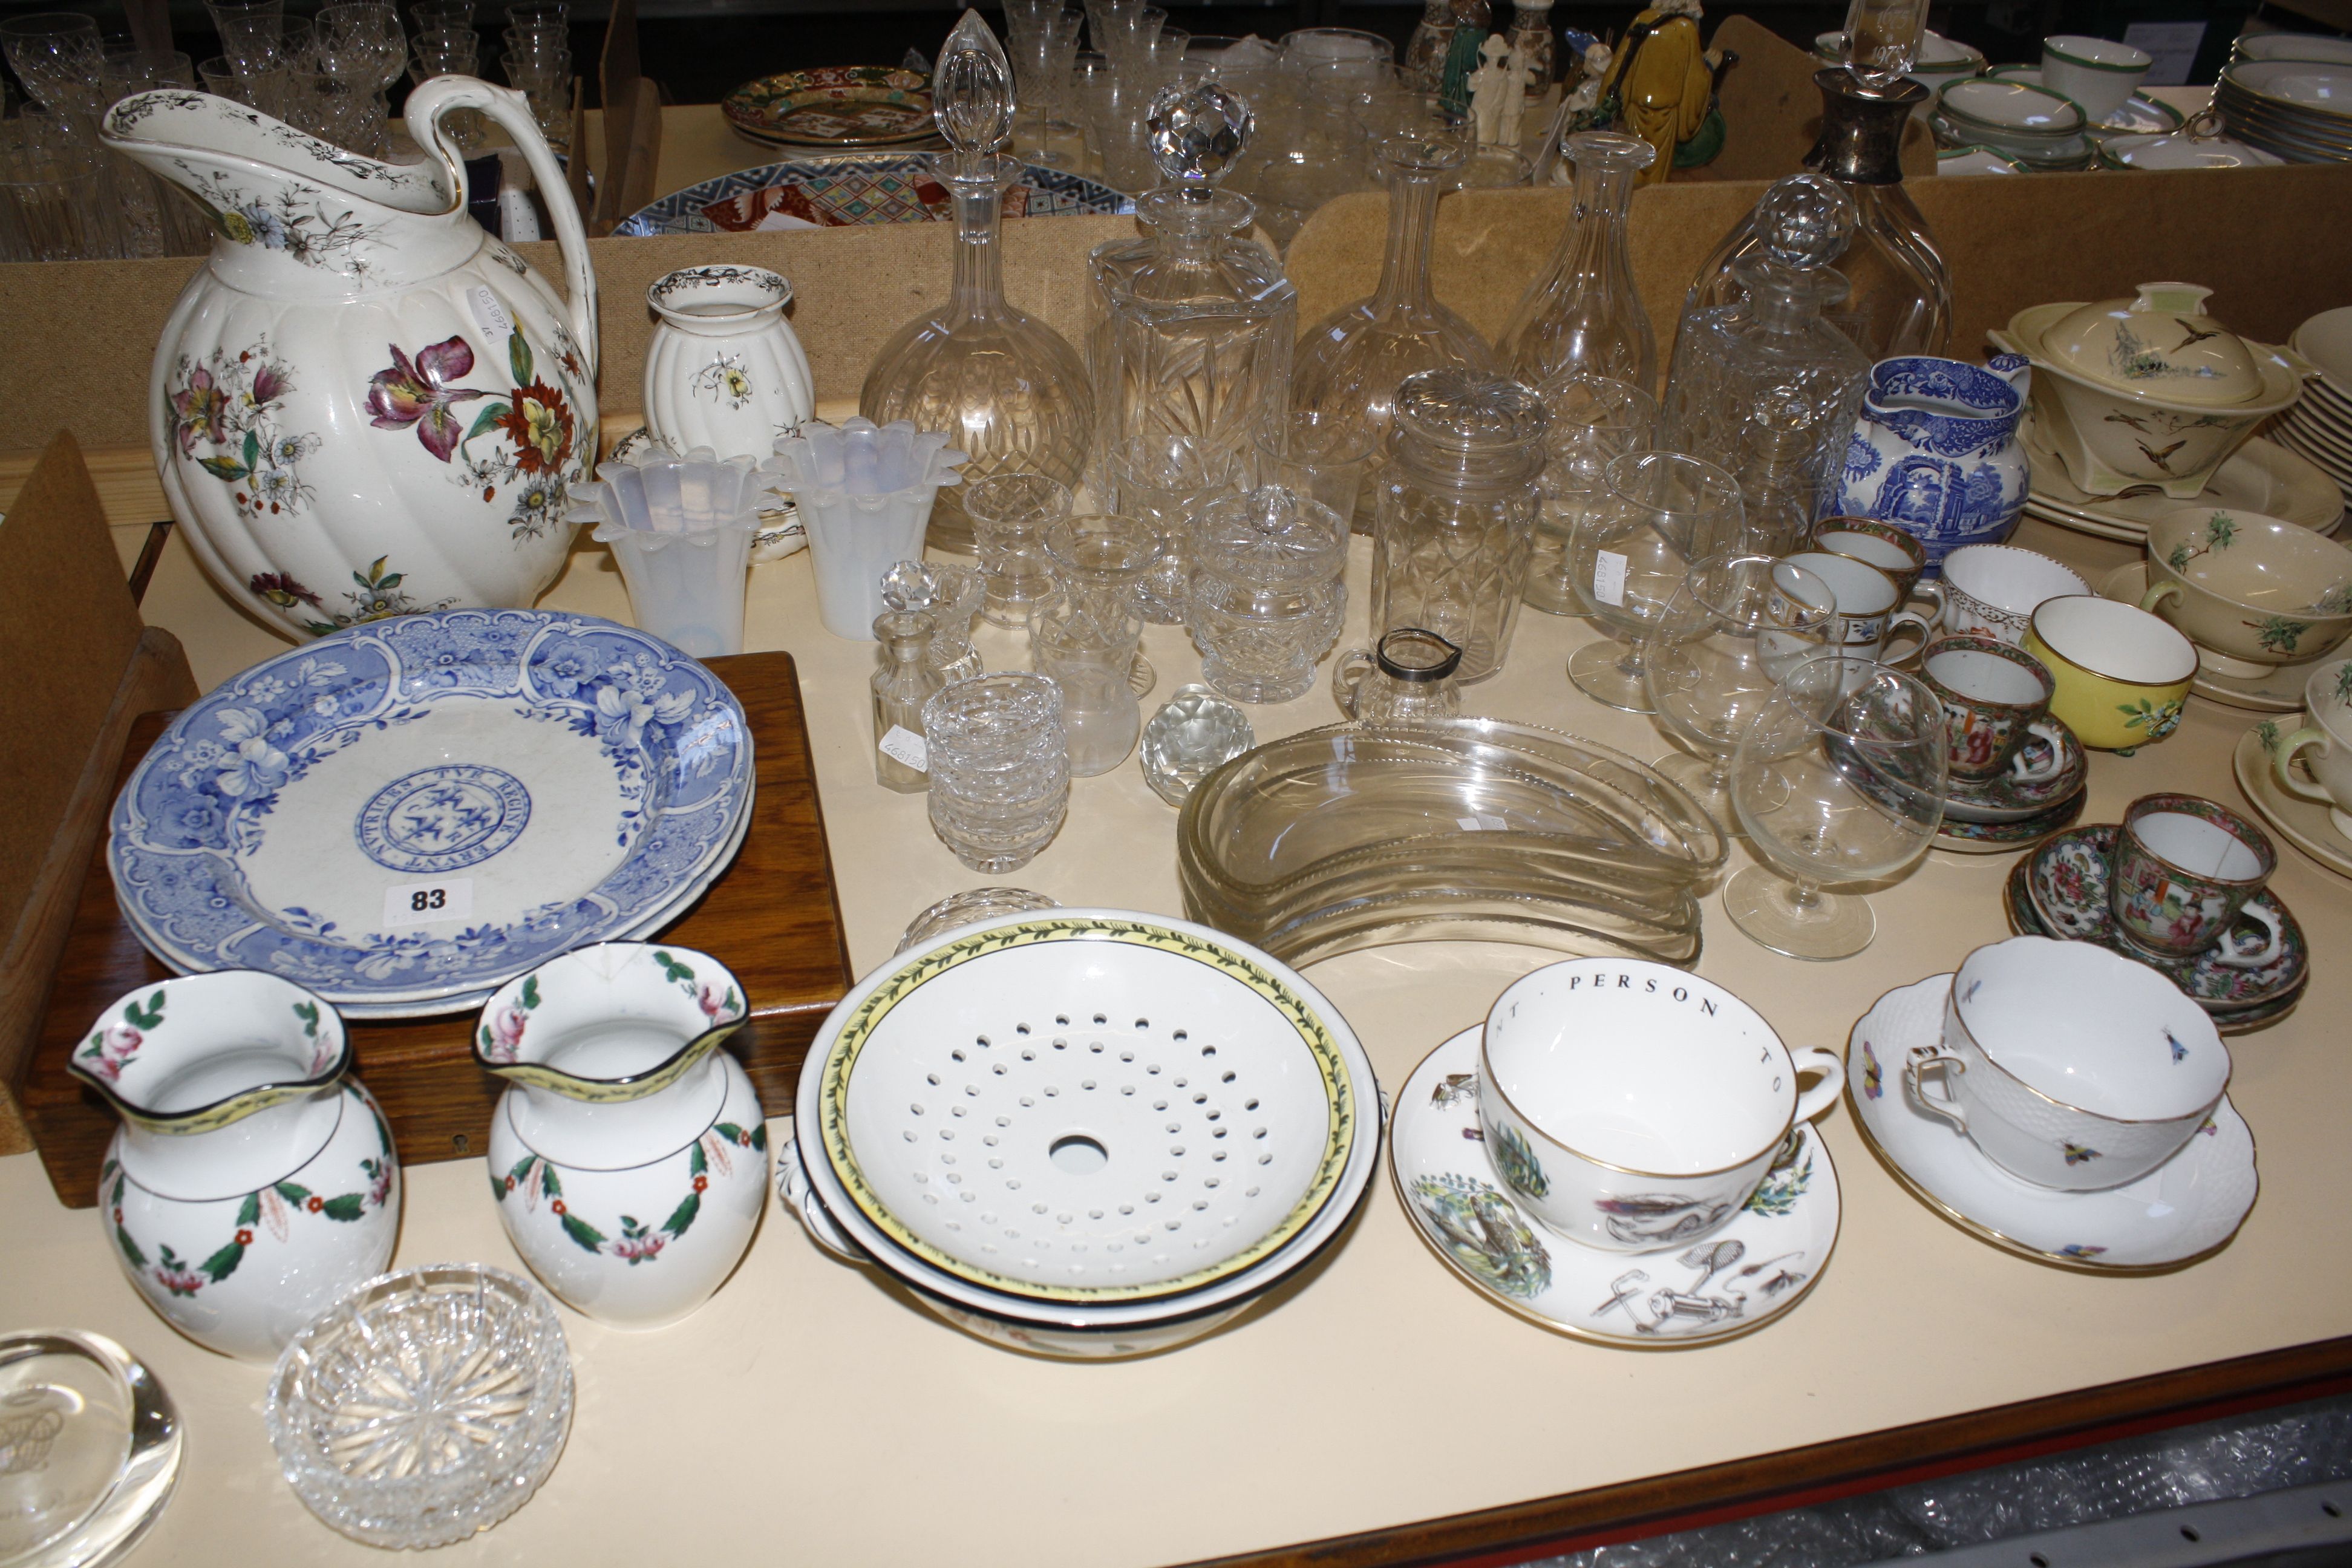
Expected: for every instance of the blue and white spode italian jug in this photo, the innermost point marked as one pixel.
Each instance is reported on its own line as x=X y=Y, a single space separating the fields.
x=363 y=403
x=1935 y=451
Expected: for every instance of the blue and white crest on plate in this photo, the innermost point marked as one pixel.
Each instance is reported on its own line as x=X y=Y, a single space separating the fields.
x=575 y=775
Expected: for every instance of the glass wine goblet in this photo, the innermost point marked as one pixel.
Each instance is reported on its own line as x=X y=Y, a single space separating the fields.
x=1659 y=512
x=1840 y=779
x=1730 y=635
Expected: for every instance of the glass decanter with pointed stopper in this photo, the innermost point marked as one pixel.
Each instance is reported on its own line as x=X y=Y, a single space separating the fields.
x=1584 y=315
x=1006 y=387
x=1772 y=338
x=1899 y=297
x=1350 y=364
x=1193 y=322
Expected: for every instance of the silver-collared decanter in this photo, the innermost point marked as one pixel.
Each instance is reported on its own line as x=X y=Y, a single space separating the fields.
x=1193 y=322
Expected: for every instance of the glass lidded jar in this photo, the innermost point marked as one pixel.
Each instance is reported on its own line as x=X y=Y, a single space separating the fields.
x=1267 y=591
x=1454 y=511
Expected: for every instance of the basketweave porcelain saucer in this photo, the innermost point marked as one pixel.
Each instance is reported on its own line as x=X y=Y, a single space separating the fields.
x=2184 y=1209
x=2278 y=689
x=2305 y=824
x=2002 y=798
x=1729 y=1283
x=405 y=811
x=1101 y=1115
x=2067 y=880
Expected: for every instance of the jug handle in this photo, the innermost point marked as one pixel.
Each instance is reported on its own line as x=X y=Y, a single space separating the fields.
x=433 y=100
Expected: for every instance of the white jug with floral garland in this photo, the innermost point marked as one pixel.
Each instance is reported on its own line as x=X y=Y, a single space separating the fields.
x=364 y=404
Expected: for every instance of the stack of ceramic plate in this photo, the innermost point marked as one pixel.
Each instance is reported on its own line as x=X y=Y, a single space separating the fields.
x=2298 y=108
x=2022 y=120
x=1084 y=1132
x=2139 y=114
x=2261 y=475
x=2319 y=427
x=837 y=106
x=404 y=815
x=2061 y=890
x=1352 y=836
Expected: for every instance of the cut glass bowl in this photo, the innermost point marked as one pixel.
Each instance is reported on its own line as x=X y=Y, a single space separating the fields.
x=427 y=1404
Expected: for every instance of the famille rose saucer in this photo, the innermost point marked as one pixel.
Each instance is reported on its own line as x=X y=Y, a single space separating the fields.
x=1729 y=1283
x=2003 y=799
x=1962 y=837
x=2185 y=1209
x=2065 y=886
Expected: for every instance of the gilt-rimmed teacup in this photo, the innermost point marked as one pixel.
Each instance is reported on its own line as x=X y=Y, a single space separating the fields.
x=1994 y=696
x=1894 y=549
x=1993 y=589
x=2182 y=871
x=1634 y=1106
x=2069 y=1066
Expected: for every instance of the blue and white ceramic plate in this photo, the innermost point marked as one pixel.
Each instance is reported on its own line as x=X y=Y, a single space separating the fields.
x=406 y=812
x=849 y=189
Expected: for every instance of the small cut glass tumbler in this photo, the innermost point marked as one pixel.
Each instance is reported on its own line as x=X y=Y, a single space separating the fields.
x=1000 y=766
x=1088 y=651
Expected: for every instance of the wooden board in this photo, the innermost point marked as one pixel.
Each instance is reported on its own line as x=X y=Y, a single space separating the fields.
x=772 y=918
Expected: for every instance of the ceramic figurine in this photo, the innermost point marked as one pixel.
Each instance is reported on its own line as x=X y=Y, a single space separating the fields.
x=365 y=404
x=724 y=368
x=1488 y=84
x=1661 y=87
x=1935 y=451
x=252 y=1182
x=629 y=1159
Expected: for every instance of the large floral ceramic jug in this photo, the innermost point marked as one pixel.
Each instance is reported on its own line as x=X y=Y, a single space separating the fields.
x=365 y=404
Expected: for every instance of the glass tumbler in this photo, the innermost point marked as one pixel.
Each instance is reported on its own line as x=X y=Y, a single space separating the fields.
x=1319 y=453
x=1165 y=479
x=1009 y=514
x=1659 y=512
x=1593 y=419
x=1000 y=766
x=1454 y=511
x=1100 y=562
x=1088 y=652
x=1730 y=635
x=1265 y=591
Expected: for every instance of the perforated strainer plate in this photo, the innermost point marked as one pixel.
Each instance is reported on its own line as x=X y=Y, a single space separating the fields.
x=1086 y=1107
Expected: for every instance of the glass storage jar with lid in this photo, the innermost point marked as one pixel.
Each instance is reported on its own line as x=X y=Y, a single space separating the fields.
x=1454 y=511
x=1265 y=584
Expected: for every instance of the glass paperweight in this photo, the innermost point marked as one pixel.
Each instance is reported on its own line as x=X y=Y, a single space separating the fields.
x=427 y=1404
x=1193 y=322
x=1195 y=733
x=1350 y=364
x=1008 y=389
x=971 y=907
x=1771 y=347
x=1582 y=316
x=89 y=1449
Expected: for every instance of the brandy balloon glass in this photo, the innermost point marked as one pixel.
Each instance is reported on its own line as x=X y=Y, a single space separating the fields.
x=1659 y=512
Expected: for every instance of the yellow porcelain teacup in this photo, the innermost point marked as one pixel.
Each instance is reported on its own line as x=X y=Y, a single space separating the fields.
x=2123 y=674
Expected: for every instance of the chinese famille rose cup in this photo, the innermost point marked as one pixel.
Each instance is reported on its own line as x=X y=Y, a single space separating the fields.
x=2182 y=872
x=1633 y=1106
x=2070 y=1067
x=1994 y=696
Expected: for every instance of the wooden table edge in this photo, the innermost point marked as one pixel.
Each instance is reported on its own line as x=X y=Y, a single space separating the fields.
x=1820 y=1472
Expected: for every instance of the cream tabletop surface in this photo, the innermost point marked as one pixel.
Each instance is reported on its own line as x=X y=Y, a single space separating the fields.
x=808 y=1414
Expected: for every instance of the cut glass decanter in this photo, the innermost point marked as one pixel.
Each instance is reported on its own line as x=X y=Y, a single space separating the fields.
x=1584 y=315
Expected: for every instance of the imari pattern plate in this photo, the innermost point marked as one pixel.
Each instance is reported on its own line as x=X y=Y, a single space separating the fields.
x=1730 y=1283
x=405 y=811
x=857 y=188
x=833 y=106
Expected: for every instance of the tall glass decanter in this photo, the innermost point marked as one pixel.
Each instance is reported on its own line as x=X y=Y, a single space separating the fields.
x=1899 y=297
x=1006 y=387
x=1769 y=354
x=1193 y=322
x=1582 y=315
x=1350 y=364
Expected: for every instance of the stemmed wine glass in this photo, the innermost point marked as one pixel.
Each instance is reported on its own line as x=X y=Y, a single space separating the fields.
x=1659 y=512
x=1840 y=779
x=1730 y=635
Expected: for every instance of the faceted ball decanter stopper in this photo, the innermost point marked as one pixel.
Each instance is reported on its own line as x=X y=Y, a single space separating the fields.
x=1804 y=221
x=1195 y=134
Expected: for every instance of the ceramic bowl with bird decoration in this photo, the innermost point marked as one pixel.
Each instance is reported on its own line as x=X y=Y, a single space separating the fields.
x=2148 y=393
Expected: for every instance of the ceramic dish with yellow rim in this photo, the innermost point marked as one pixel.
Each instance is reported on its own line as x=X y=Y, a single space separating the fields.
x=2305 y=824
x=2278 y=689
x=2122 y=673
x=2184 y=1210
x=1085 y=1108
x=833 y=106
x=1731 y=1282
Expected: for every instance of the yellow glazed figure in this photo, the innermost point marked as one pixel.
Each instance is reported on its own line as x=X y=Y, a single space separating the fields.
x=1664 y=82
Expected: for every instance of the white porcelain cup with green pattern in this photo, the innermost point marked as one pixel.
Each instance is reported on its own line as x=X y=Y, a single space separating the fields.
x=1633 y=1106
x=2324 y=743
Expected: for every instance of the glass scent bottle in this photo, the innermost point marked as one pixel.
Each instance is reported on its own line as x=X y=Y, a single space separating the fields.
x=949 y=596
x=1425 y=53
x=1007 y=388
x=1454 y=512
x=1193 y=322
x=901 y=684
x=1771 y=335
x=1350 y=364
x=1584 y=315
x=1899 y=299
